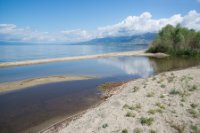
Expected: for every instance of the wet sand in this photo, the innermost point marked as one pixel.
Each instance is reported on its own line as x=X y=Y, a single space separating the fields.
x=42 y=61
x=16 y=85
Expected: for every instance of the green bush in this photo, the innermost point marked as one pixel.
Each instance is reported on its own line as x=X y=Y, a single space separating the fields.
x=177 y=41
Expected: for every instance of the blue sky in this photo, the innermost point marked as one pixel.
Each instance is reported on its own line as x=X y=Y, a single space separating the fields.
x=53 y=16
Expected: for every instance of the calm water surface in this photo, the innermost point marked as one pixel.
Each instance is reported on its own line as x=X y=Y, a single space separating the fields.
x=37 y=107
x=19 y=52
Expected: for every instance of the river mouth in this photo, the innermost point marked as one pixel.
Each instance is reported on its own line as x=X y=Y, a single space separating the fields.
x=37 y=107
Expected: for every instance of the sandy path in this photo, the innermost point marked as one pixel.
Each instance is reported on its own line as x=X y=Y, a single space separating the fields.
x=9 y=86
x=166 y=103
x=42 y=61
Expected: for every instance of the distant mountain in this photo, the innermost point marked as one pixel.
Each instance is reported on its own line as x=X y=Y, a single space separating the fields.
x=135 y=39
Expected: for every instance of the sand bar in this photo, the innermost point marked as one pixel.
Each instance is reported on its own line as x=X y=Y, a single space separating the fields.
x=9 y=86
x=42 y=61
x=165 y=103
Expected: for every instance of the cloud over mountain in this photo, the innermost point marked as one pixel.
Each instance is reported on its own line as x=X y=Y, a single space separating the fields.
x=131 y=25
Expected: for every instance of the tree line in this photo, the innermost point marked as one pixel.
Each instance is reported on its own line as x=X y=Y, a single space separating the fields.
x=176 y=40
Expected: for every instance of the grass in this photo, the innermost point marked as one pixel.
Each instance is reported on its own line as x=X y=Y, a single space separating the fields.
x=193 y=112
x=150 y=94
x=130 y=114
x=174 y=92
x=124 y=131
x=137 y=130
x=195 y=129
x=178 y=128
x=152 y=131
x=132 y=107
x=138 y=106
x=105 y=125
x=146 y=121
x=162 y=96
x=162 y=86
x=154 y=78
x=193 y=88
x=160 y=105
x=193 y=105
x=154 y=111
x=135 y=89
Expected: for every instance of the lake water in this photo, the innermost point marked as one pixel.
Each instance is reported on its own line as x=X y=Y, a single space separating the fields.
x=19 y=52
x=37 y=107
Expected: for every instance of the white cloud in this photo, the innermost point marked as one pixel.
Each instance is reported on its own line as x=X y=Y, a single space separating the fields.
x=130 y=26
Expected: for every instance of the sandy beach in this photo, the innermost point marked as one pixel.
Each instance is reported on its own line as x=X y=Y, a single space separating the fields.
x=42 y=61
x=165 y=103
x=16 y=85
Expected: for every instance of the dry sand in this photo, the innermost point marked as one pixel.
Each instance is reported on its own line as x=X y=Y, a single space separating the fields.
x=171 y=100
x=9 y=86
x=42 y=61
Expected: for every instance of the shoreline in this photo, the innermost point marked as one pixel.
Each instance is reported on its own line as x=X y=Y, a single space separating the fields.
x=22 y=84
x=155 y=99
x=62 y=59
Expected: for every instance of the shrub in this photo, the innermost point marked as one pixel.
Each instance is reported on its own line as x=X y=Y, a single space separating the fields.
x=137 y=130
x=130 y=114
x=174 y=92
x=193 y=105
x=105 y=125
x=124 y=131
x=150 y=94
x=176 y=41
x=146 y=121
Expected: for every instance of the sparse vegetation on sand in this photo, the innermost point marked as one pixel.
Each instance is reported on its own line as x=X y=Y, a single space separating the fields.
x=146 y=121
x=154 y=109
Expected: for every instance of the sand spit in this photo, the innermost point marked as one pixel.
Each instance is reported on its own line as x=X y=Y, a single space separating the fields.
x=166 y=103
x=9 y=86
x=42 y=61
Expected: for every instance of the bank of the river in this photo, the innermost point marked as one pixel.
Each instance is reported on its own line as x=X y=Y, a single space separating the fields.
x=116 y=54
x=167 y=102
x=16 y=85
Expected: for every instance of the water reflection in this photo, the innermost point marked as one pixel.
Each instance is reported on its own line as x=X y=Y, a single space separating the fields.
x=130 y=65
x=39 y=104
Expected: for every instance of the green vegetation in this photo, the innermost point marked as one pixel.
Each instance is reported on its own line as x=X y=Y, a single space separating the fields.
x=174 y=92
x=137 y=130
x=132 y=107
x=146 y=121
x=193 y=112
x=193 y=105
x=162 y=86
x=130 y=114
x=160 y=105
x=152 y=131
x=177 y=41
x=124 y=131
x=153 y=111
x=195 y=129
x=105 y=125
x=193 y=88
x=150 y=94
x=135 y=89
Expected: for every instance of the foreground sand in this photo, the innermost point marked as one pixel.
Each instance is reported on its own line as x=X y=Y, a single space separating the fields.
x=166 y=103
x=9 y=86
x=42 y=61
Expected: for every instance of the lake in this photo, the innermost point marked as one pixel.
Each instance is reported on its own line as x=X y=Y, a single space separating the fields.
x=37 y=107
x=20 y=52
